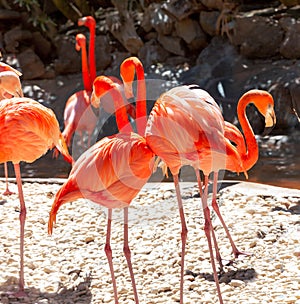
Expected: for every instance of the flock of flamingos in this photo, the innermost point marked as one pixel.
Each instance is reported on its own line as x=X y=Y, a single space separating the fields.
x=185 y=127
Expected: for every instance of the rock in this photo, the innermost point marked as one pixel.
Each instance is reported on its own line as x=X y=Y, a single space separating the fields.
x=160 y=21
x=290 y=46
x=41 y=46
x=172 y=44
x=208 y=22
x=122 y=27
x=257 y=36
x=13 y=37
x=68 y=60
x=189 y=30
x=181 y=9
x=103 y=51
x=213 y=4
x=8 y=14
x=290 y=2
x=31 y=65
x=151 y=53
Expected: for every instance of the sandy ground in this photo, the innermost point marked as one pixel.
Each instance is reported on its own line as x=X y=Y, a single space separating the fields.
x=71 y=267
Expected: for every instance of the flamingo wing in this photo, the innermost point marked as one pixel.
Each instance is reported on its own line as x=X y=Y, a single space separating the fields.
x=28 y=125
x=110 y=173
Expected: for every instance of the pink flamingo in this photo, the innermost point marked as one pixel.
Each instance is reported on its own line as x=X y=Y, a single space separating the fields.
x=231 y=160
x=185 y=127
x=106 y=103
x=110 y=173
x=78 y=114
x=10 y=86
x=27 y=131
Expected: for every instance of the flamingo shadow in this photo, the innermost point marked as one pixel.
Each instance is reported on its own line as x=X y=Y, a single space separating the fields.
x=78 y=293
x=293 y=210
x=226 y=277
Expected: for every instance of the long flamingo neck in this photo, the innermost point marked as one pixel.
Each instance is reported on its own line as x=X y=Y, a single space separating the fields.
x=250 y=156
x=92 y=56
x=120 y=111
x=85 y=70
x=141 y=106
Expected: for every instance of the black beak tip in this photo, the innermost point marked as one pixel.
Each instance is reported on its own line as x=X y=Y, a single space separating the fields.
x=95 y=110
x=131 y=100
x=267 y=131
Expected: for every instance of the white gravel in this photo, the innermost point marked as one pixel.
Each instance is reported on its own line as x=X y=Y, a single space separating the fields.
x=71 y=266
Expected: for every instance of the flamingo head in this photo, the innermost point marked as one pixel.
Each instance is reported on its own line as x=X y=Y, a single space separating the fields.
x=5 y=67
x=80 y=42
x=129 y=67
x=265 y=105
x=10 y=84
x=87 y=21
x=101 y=86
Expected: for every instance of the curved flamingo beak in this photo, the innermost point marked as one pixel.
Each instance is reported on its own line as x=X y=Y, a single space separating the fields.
x=19 y=93
x=270 y=121
x=95 y=101
x=128 y=90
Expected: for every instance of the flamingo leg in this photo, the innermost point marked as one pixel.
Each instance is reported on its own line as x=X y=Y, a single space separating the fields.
x=21 y=292
x=218 y=255
x=208 y=231
x=108 y=253
x=215 y=207
x=199 y=181
x=7 y=191
x=127 y=254
x=184 y=232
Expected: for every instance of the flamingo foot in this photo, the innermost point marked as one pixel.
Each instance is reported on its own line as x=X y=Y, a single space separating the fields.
x=17 y=294
x=237 y=253
x=7 y=192
x=21 y=294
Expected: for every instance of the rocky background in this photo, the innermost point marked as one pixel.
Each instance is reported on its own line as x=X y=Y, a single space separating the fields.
x=227 y=47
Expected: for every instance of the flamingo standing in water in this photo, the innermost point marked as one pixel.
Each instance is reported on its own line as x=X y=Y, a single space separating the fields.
x=110 y=173
x=27 y=131
x=10 y=86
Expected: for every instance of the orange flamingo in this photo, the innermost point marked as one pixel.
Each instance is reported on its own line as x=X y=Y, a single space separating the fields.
x=229 y=130
x=186 y=128
x=161 y=142
x=106 y=103
x=110 y=173
x=10 y=86
x=246 y=144
x=78 y=114
x=201 y=142
x=90 y=23
x=27 y=131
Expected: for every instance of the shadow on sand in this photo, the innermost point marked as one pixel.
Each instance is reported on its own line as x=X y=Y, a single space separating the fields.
x=227 y=277
x=79 y=293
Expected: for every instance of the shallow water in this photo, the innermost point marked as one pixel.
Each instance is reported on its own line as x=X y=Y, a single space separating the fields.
x=278 y=165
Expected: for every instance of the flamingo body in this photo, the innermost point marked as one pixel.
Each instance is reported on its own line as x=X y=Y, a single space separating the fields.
x=110 y=173
x=186 y=127
x=78 y=116
x=10 y=86
x=27 y=131
x=28 y=125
